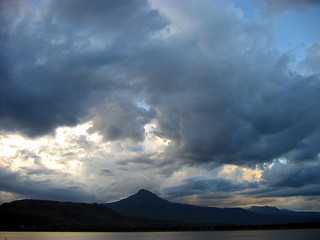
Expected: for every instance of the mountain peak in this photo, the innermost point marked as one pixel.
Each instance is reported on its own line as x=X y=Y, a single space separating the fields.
x=146 y=193
x=265 y=210
x=144 y=196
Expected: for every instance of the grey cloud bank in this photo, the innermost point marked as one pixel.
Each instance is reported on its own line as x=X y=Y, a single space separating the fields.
x=211 y=80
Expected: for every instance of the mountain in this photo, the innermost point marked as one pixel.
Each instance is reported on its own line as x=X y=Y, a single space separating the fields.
x=143 y=211
x=51 y=215
x=39 y=215
x=266 y=210
x=144 y=197
x=148 y=204
x=277 y=211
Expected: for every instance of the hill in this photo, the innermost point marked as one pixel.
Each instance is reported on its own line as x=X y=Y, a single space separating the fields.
x=277 y=211
x=39 y=215
x=148 y=204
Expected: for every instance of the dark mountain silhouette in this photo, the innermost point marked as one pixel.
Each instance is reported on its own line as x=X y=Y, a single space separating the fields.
x=144 y=197
x=145 y=203
x=266 y=210
x=277 y=211
x=143 y=211
x=38 y=215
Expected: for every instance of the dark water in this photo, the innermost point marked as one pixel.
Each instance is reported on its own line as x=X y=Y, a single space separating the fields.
x=309 y=234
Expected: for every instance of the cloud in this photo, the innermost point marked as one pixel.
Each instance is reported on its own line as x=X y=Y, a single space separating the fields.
x=290 y=175
x=204 y=185
x=75 y=158
x=232 y=100
x=285 y=179
x=219 y=95
x=125 y=20
x=311 y=62
x=120 y=119
x=26 y=188
x=280 y=6
x=51 y=72
x=162 y=85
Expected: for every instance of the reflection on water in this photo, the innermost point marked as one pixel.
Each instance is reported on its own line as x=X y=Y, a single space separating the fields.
x=310 y=234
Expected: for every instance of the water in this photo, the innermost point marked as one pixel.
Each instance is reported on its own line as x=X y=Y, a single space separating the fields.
x=310 y=234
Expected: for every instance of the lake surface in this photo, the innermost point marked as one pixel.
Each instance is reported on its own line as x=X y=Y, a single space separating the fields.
x=310 y=234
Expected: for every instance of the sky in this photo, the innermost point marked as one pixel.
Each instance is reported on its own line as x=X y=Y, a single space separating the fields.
x=210 y=102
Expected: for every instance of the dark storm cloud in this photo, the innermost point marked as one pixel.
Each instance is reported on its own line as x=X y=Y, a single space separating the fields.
x=15 y=183
x=245 y=111
x=202 y=185
x=120 y=118
x=271 y=192
x=126 y=20
x=288 y=180
x=53 y=69
x=217 y=89
x=279 y=6
x=36 y=98
x=290 y=175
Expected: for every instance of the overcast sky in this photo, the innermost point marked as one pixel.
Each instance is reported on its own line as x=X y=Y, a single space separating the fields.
x=209 y=102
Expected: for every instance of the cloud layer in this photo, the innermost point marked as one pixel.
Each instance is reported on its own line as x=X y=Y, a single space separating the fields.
x=167 y=85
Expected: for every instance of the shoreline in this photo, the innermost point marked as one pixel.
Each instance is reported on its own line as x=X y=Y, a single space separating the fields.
x=292 y=226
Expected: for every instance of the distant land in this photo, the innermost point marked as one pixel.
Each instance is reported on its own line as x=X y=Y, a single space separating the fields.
x=40 y=215
x=144 y=211
x=148 y=204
